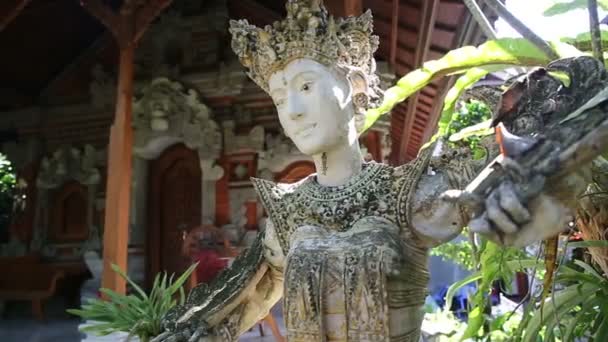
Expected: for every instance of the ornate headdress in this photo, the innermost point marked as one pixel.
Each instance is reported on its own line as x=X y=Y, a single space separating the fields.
x=307 y=32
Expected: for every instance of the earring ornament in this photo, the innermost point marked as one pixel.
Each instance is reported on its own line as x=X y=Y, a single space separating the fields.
x=361 y=100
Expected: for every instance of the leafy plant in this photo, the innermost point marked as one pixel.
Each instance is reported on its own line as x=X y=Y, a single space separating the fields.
x=8 y=181
x=138 y=314
x=580 y=309
x=561 y=7
x=495 y=263
x=475 y=63
x=472 y=113
x=461 y=253
x=582 y=41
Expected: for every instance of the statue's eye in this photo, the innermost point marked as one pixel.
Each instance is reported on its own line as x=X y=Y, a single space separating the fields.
x=306 y=86
x=279 y=102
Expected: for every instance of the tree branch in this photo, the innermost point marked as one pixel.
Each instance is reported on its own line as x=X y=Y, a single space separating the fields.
x=480 y=18
x=504 y=13
x=104 y=14
x=146 y=15
x=594 y=26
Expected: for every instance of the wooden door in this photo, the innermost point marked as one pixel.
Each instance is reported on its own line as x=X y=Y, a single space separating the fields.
x=174 y=208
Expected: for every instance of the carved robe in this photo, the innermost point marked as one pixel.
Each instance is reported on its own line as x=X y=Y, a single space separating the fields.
x=355 y=271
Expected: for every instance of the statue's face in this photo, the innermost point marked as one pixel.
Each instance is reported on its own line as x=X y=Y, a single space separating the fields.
x=314 y=106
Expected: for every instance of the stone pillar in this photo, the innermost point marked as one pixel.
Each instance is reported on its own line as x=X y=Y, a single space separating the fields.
x=211 y=173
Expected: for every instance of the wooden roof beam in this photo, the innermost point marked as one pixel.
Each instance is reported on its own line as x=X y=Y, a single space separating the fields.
x=254 y=11
x=468 y=33
x=344 y=8
x=392 y=60
x=146 y=15
x=10 y=11
x=429 y=13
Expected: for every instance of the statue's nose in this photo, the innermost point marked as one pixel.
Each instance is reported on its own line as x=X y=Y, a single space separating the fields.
x=295 y=108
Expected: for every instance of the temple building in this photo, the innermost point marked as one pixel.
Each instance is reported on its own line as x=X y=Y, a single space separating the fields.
x=200 y=127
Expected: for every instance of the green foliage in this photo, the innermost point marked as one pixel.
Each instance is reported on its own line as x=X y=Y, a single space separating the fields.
x=475 y=63
x=138 y=314
x=471 y=113
x=461 y=253
x=8 y=181
x=582 y=41
x=561 y=7
x=488 y=56
x=578 y=310
x=493 y=266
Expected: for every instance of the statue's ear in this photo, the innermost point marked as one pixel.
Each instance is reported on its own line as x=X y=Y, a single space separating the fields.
x=358 y=82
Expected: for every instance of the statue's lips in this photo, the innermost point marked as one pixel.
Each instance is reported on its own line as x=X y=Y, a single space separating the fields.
x=306 y=130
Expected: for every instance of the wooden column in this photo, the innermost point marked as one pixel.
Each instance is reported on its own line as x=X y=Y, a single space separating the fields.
x=127 y=26
x=118 y=193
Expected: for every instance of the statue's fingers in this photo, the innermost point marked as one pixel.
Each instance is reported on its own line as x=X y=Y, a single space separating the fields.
x=510 y=203
x=513 y=168
x=161 y=337
x=481 y=225
x=198 y=333
x=501 y=220
x=173 y=338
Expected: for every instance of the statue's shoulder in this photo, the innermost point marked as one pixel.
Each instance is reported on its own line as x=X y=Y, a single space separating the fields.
x=405 y=178
x=272 y=192
x=409 y=173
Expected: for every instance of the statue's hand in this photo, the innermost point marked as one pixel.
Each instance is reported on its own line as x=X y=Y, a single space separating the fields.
x=182 y=323
x=508 y=220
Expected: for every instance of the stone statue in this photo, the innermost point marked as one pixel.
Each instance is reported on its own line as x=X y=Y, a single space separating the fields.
x=346 y=247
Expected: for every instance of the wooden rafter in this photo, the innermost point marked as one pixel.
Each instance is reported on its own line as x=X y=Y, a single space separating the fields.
x=468 y=33
x=145 y=16
x=10 y=12
x=104 y=14
x=429 y=13
x=393 y=35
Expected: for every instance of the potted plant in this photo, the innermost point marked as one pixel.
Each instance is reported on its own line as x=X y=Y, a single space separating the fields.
x=138 y=314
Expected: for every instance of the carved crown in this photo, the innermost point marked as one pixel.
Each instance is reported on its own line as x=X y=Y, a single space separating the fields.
x=308 y=31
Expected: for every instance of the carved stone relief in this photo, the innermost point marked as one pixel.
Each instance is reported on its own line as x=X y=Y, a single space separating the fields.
x=67 y=165
x=233 y=143
x=280 y=152
x=167 y=113
x=239 y=197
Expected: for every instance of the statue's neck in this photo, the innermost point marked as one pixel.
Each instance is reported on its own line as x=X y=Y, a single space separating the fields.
x=337 y=166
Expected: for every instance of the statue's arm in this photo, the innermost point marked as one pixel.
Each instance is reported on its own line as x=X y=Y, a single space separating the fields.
x=433 y=220
x=506 y=220
x=238 y=298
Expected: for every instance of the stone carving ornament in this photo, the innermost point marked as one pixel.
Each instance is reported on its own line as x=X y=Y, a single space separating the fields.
x=346 y=247
x=166 y=113
x=68 y=163
x=279 y=153
x=65 y=164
